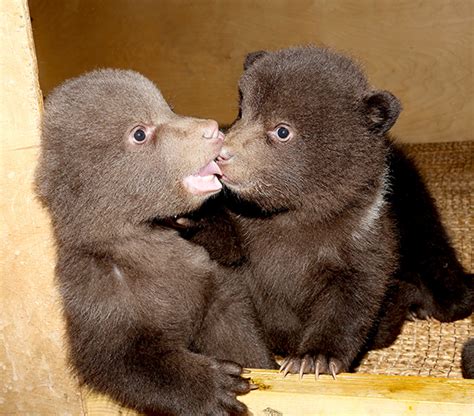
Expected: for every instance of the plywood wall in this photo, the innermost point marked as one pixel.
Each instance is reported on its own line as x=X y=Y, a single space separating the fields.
x=34 y=379
x=420 y=50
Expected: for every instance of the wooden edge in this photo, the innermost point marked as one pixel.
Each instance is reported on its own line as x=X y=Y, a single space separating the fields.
x=358 y=394
x=33 y=371
x=350 y=394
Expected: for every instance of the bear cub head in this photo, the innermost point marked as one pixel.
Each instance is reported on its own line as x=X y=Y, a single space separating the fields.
x=310 y=133
x=114 y=156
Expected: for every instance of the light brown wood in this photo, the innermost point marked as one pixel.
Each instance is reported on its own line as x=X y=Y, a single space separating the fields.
x=420 y=50
x=358 y=394
x=350 y=394
x=33 y=375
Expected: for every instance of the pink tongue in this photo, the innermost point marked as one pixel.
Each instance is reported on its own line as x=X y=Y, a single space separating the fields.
x=212 y=168
x=204 y=181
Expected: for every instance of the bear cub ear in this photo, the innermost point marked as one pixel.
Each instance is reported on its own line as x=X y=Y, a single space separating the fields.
x=252 y=57
x=382 y=109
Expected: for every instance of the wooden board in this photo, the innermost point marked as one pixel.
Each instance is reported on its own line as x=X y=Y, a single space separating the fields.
x=358 y=394
x=33 y=375
x=420 y=50
x=350 y=394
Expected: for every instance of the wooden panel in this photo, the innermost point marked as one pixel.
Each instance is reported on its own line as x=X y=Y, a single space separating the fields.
x=358 y=394
x=420 y=50
x=350 y=394
x=33 y=374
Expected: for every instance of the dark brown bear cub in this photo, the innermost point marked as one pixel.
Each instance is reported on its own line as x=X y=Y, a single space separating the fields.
x=150 y=319
x=310 y=163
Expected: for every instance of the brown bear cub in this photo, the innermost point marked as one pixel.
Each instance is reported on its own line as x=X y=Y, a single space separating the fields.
x=151 y=320
x=311 y=174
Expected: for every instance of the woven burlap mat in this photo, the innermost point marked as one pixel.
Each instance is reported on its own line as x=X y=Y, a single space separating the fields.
x=429 y=348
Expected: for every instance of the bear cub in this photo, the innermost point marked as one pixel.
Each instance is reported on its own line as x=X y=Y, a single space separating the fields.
x=328 y=211
x=150 y=319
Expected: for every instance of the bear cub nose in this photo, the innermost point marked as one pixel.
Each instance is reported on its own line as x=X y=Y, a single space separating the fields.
x=211 y=131
x=224 y=156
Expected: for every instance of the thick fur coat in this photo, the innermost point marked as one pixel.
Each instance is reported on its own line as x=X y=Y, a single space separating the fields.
x=151 y=320
x=340 y=234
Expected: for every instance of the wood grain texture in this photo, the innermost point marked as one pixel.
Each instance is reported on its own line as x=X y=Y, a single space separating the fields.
x=358 y=394
x=420 y=50
x=350 y=394
x=33 y=375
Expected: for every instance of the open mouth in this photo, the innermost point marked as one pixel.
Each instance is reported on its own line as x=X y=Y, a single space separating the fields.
x=205 y=181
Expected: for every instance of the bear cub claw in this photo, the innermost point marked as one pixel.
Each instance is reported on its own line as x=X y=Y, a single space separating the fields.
x=421 y=314
x=308 y=364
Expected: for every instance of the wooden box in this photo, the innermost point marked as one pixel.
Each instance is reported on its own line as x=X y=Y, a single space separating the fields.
x=421 y=51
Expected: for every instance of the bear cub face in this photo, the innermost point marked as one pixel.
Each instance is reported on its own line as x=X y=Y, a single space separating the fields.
x=311 y=127
x=117 y=156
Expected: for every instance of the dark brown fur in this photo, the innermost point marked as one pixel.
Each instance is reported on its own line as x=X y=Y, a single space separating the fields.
x=314 y=215
x=467 y=359
x=149 y=316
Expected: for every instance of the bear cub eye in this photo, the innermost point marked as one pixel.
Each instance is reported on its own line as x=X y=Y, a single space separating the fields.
x=281 y=133
x=139 y=135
